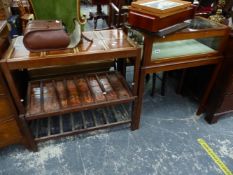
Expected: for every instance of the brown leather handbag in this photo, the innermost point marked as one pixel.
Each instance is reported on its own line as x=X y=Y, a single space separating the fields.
x=44 y=35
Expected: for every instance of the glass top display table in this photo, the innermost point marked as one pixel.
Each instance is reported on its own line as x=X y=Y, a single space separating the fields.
x=200 y=43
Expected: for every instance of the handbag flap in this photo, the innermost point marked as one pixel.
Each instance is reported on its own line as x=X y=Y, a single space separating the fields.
x=44 y=35
x=43 y=25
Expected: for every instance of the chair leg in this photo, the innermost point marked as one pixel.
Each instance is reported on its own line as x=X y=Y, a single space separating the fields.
x=121 y=66
x=181 y=82
x=115 y=65
x=147 y=77
x=95 y=22
x=153 y=85
x=164 y=79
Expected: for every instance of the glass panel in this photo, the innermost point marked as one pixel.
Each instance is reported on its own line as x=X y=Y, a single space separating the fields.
x=136 y=36
x=162 y=5
x=199 y=23
x=180 y=48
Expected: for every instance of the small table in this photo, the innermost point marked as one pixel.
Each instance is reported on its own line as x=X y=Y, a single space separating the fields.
x=201 y=43
x=74 y=94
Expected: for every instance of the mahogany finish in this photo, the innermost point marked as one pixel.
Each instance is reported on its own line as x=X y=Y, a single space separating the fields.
x=68 y=124
x=12 y=130
x=71 y=93
x=221 y=98
x=152 y=23
x=9 y=130
x=60 y=95
x=150 y=65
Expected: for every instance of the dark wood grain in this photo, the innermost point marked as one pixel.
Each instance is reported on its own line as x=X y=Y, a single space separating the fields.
x=66 y=94
x=96 y=89
x=9 y=133
x=221 y=98
x=84 y=90
x=150 y=65
x=73 y=93
x=12 y=128
x=153 y=23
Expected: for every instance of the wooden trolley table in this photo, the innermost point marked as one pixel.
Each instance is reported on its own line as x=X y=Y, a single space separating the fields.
x=68 y=104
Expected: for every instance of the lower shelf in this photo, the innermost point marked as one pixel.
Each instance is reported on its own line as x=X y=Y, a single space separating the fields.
x=60 y=95
x=78 y=122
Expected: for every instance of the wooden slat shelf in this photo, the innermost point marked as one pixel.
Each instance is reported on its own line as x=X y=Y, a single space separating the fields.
x=60 y=95
x=78 y=122
x=69 y=104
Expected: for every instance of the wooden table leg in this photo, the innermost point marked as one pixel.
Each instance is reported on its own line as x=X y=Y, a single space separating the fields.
x=211 y=118
x=164 y=80
x=153 y=84
x=29 y=141
x=181 y=82
x=138 y=102
x=204 y=99
x=11 y=84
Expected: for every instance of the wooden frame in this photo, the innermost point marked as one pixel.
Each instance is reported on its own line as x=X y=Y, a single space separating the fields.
x=12 y=125
x=152 y=22
x=107 y=45
x=73 y=129
x=220 y=100
x=175 y=5
x=79 y=107
x=148 y=66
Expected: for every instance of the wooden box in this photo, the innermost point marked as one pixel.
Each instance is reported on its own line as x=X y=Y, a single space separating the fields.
x=152 y=23
x=157 y=7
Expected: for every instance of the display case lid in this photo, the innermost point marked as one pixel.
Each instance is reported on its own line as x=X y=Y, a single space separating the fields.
x=158 y=7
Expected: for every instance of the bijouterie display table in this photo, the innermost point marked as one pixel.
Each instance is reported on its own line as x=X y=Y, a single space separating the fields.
x=200 y=43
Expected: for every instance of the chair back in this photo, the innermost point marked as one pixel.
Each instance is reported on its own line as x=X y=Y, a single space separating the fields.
x=63 y=10
x=117 y=13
